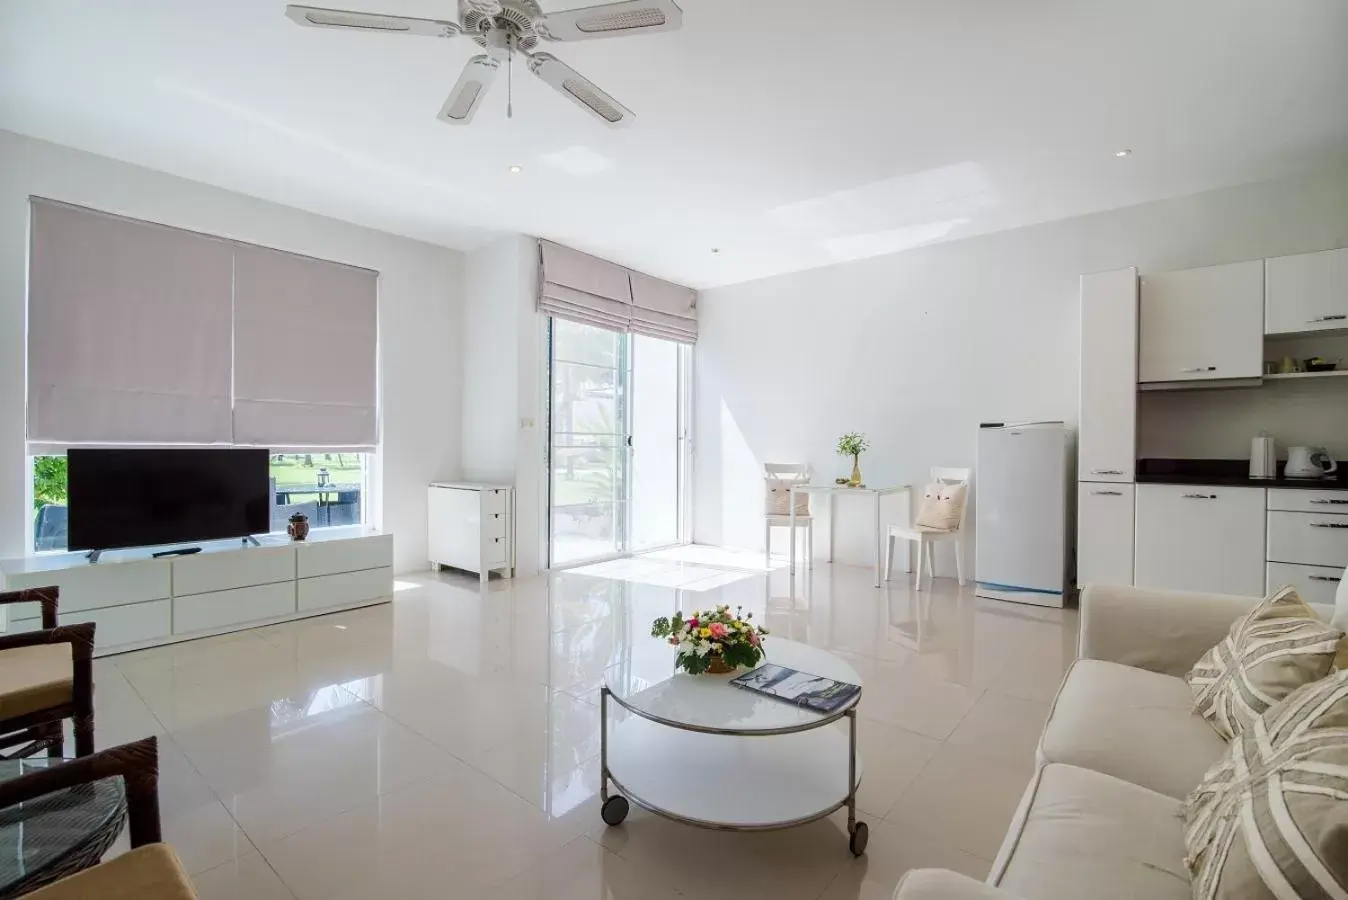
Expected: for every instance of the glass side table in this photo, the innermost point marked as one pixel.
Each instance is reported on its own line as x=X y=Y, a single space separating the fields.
x=59 y=833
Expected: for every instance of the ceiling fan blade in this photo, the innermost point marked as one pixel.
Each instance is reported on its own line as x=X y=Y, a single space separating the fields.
x=579 y=89
x=317 y=17
x=612 y=20
x=474 y=80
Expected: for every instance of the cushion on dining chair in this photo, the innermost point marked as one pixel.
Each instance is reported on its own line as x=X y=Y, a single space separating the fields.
x=777 y=494
x=942 y=506
x=35 y=678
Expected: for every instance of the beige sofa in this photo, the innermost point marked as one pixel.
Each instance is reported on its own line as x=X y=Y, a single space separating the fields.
x=1120 y=750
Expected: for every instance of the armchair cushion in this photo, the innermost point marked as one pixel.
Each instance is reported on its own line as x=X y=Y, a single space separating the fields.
x=1080 y=833
x=1130 y=723
x=35 y=678
x=151 y=872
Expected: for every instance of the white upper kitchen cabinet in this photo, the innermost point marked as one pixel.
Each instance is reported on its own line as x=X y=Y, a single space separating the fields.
x=1306 y=292
x=1200 y=538
x=1107 y=439
x=1202 y=324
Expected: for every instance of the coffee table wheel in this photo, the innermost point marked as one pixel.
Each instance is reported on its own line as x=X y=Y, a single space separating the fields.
x=861 y=835
x=615 y=809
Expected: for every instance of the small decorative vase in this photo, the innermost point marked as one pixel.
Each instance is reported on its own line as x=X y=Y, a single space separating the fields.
x=299 y=527
x=856 y=472
x=718 y=666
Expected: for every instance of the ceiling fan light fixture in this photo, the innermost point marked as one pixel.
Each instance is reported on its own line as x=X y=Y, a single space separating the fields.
x=1125 y=152
x=623 y=21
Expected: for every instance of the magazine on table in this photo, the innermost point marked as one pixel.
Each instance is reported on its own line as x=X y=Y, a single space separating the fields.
x=801 y=688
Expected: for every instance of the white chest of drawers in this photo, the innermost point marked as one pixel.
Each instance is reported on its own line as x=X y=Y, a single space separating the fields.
x=471 y=527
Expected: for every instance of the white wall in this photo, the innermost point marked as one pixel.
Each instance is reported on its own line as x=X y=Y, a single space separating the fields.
x=916 y=348
x=503 y=428
x=420 y=295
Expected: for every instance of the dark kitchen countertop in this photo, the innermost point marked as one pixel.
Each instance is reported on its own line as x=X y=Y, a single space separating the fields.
x=1229 y=473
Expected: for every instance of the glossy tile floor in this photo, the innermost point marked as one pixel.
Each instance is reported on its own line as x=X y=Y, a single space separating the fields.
x=446 y=744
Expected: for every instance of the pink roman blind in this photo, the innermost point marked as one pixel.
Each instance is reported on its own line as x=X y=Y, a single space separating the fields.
x=662 y=309
x=305 y=343
x=128 y=331
x=584 y=288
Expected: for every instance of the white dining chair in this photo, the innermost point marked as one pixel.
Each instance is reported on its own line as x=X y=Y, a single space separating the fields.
x=781 y=476
x=926 y=538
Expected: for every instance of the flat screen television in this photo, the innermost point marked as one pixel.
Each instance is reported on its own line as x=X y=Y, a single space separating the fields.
x=137 y=498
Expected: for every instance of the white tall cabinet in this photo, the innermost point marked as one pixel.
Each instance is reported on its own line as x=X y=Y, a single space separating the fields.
x=1107 y=442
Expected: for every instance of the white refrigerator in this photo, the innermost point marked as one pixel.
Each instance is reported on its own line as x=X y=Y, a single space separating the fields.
x=1021 y=517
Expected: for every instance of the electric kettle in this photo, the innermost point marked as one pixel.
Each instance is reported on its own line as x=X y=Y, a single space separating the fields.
x=1309 y=462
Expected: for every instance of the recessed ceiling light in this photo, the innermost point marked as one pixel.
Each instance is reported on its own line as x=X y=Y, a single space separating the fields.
x=515 y=170
x=1122 y=153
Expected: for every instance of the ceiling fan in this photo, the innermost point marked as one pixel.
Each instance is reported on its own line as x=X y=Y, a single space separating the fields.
x=507 y=27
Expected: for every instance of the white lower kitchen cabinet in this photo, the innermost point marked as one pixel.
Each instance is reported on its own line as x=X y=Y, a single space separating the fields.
x=1315 y=584
x=1200 y=538
x=1104 y=533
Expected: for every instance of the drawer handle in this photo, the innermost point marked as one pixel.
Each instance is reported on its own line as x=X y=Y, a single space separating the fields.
x=1106 y=471
x=1107 y=493
x=1329 y=524
x=1199 y=369
x=1200 y=496
x=1324 y=578
x=1339 y=317
x=1326 y=500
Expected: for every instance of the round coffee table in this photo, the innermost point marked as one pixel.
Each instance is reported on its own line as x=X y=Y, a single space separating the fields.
x=701 y=751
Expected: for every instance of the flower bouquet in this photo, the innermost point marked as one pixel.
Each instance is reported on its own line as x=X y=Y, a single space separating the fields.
x=716 y=641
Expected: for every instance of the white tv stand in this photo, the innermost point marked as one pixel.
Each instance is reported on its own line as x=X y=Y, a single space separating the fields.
x=138 y=601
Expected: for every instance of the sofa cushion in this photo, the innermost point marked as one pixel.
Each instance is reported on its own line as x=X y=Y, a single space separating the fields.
x=151 y=872
x=1276 y=648
x=1270 y=819
x=1080 y=833
x=1132 y=724
x=34 y=678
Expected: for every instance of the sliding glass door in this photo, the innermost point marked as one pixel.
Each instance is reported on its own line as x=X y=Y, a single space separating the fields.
x=617 y=444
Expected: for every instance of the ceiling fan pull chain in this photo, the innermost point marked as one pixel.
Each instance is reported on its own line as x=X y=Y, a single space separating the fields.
x=510 y=79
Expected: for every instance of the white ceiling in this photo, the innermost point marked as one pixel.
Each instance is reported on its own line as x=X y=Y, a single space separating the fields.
x=790 y=134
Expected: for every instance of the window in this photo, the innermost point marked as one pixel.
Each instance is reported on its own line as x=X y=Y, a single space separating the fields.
x=329 y=488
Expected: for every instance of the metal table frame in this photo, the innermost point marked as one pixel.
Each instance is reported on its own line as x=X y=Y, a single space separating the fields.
x=858 y=832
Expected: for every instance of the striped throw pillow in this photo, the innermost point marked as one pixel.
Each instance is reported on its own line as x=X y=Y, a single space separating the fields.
x=1270 y=819
x=1275 y=649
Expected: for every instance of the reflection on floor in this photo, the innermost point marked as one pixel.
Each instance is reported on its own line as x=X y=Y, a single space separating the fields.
x=451 y=738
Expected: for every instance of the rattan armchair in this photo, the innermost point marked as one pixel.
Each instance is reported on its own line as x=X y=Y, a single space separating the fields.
x=150 y=870
x=46 y=677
